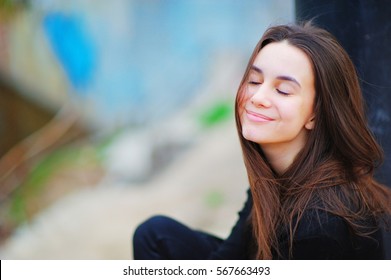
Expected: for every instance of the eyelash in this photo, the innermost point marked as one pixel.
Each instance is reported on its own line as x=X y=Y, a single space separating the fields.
x=282 y=92
x=253 y=83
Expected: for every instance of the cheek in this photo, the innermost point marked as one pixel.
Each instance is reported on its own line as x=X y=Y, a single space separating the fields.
x=288 y=112
x=241 y=106
x=293 y=112
x=249 y=132
x=242 y=98
x=307 y=111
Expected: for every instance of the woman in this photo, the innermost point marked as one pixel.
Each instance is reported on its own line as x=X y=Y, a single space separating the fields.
x=309 y=155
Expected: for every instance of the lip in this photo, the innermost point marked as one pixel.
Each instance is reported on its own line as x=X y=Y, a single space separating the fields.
x=256 y=117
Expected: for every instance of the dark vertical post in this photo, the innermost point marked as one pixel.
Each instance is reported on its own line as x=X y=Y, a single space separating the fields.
x=363 y=27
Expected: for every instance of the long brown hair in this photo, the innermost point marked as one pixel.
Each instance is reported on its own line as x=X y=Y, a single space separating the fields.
x=334 y=170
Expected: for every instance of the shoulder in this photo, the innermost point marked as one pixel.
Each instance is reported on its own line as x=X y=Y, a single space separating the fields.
x=323 y=235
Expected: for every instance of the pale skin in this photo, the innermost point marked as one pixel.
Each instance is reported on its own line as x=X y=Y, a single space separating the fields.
x=278 y=107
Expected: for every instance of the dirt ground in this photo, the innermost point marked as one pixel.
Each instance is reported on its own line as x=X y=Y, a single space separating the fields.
x=204 y=187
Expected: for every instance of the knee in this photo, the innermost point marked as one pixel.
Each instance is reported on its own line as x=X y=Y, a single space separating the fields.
x=149 y=228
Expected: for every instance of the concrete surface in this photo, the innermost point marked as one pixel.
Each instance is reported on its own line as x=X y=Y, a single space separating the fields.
x=204 y=188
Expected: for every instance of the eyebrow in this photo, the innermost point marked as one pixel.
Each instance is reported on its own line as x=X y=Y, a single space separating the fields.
x=282 y=77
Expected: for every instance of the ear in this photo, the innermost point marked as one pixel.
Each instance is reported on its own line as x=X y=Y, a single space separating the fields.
x=311 y=123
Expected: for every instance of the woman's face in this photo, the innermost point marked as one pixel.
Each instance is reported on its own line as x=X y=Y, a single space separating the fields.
x=277 y=107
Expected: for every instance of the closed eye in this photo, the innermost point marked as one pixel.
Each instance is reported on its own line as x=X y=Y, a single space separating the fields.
x=282 y=92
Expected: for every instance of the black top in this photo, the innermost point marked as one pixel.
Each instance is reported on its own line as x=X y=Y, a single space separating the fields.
x=320 y=235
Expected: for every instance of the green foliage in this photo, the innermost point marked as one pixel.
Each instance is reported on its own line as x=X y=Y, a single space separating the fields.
x=39 y=176
x=35 y=181
x=11 y=5
x=214 y=199
x=217 y=113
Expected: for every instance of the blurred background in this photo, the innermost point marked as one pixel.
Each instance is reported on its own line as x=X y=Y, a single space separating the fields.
x=113 y=111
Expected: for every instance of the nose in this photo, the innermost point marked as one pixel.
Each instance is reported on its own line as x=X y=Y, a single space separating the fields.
x=261 y=97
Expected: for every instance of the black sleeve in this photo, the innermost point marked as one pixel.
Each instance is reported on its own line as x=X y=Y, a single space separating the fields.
x=235 y=247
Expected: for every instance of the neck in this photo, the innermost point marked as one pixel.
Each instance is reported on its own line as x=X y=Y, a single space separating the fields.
x=282 y=155
x=279 y=160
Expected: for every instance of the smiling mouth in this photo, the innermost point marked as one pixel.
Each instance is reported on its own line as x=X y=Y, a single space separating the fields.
x=257 y=117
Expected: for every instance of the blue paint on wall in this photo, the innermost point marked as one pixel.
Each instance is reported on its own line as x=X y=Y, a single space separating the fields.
x=137 y=61
x=73 y=47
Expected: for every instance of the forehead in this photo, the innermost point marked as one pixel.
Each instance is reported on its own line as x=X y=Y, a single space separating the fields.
x=281 y=58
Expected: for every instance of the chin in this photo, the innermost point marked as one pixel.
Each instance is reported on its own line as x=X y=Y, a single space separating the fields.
x=249 y=135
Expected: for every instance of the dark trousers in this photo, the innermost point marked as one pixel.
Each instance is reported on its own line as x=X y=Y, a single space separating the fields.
x=162 y=238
